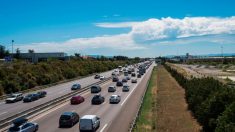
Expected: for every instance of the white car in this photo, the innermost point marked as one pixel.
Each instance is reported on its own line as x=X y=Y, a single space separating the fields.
x=114 y=99
x=102 y=77
x=14 y=98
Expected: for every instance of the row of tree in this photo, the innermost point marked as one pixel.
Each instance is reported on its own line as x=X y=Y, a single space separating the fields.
x=21 y=75
x=212 y=103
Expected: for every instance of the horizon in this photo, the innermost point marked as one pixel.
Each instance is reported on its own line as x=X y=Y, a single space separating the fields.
x=110 y=28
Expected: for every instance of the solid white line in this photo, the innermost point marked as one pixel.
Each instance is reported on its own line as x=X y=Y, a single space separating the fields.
x=3 y=113
x=103 y=128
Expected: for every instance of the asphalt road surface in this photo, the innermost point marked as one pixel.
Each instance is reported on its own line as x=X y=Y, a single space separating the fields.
x=114 y=117
x=53 y=92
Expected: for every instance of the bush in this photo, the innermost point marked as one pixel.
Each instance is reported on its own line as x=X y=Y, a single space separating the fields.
x=207 y=98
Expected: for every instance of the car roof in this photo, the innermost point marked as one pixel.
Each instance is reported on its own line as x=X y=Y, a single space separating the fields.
x=114 y=95
x=88 y=116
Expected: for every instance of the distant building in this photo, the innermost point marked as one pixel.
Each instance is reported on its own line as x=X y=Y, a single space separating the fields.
x=36 y=57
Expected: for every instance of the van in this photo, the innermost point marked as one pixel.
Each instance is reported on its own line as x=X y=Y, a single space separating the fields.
x=89 y=123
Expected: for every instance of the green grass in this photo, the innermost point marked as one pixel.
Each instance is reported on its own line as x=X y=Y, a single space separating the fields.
x=146 y=119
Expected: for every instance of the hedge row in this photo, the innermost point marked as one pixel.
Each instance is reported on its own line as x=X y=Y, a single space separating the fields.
x=22 y=75
x=212 y=103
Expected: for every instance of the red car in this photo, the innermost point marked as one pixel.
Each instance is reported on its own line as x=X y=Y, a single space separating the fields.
x=77 y=99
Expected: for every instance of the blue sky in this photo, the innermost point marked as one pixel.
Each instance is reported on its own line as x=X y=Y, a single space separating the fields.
x=96 y=27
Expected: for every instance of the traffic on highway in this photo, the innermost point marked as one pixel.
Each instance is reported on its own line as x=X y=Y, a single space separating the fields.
x=93 y=109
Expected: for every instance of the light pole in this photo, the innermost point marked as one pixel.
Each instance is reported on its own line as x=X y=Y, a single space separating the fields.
x=12 y=43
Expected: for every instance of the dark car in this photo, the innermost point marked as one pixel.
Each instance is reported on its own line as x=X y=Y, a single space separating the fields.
x=21 y=125
x=31 y=97
x=97 y=99
x=77 y=99
x=115 y=79
x=128 y=78
x=133 y=74
x=125 y=88
x=119 y=83
x=42 y=94
x=139 y=75
x=133 y=80
x=97 y=76
x=95 y=89
x=68 y=119
x=124 y=80
x=111 y=89
x=76 y=86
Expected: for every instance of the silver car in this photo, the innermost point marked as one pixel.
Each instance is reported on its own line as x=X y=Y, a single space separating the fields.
x=114 y=99
x=21 y=125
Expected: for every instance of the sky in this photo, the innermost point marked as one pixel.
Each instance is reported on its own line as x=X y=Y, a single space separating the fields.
x=144 y=28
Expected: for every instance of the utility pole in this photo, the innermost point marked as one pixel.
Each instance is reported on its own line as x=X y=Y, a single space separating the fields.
x=222 y=53
x=12 y=43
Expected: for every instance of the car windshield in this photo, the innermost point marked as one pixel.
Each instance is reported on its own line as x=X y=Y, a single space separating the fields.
x=12 y=96
x=29 y=95
x=65 y=117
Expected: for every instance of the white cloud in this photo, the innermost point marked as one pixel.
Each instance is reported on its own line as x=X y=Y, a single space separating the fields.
x=170 y=28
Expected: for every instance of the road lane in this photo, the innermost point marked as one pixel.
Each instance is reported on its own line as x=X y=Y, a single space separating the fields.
x=53 y=92
x=107 y=112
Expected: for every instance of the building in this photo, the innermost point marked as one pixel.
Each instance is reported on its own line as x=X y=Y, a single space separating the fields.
x=36 y=57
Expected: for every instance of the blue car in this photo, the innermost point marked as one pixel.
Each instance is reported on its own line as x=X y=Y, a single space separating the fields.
x=76 y=86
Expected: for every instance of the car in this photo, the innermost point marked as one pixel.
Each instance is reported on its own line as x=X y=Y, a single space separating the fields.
x=119 y=83
x=114 y=99
x=139 y=76
x=95 y=89
x=134 y=81
x=14 y=98
x=124 y=80
x=125 y=73
x=42 y=94
x=97 y=76
x=97 y=99
x=115 y=79
x=22 y=125
x=128 y=78
x=115 y=70
x=111 y=89
x=102 y=77
x=77 y=99
x=76 y=86
x=68 y=119
x=89 y=123
x=113 y=73
x=133 y=74
x=31 y=97
x=125 y=88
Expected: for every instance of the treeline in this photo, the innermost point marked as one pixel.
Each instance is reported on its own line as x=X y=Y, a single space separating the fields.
x=212 y=103
x=21 y=75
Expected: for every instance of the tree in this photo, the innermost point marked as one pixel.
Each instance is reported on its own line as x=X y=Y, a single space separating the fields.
x=3 y=52
x=31 y=51
x=17 y=55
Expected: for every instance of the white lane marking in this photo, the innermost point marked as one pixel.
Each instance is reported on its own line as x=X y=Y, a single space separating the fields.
x=3 y=113
x=103 y=128
x=104 y=103
x=133 y=89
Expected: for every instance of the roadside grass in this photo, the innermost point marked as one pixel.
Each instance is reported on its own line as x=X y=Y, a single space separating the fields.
x=172 y=112
x=147 y=118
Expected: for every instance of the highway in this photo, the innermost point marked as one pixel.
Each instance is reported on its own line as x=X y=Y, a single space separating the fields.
x=53 y=92
x=108 y=113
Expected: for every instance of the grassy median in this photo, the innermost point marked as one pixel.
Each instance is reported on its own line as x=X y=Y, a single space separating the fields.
x=146 y=120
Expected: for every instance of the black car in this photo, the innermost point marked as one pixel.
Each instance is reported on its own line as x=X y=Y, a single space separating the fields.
x=133 y=74
x=97 y=76
x=124 y=80
x=97 y=99
x=68 y=119
x=111 y=89
x=119 y=83
x=31 y=97
x=139 y=75
x=42 y=94
x=95 y=89
x=115 y=79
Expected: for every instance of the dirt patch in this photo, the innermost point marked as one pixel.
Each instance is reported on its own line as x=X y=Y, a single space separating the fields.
x=172 y=112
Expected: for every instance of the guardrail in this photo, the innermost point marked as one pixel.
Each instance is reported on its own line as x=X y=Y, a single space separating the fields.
x=7 y=121
x=133 y=124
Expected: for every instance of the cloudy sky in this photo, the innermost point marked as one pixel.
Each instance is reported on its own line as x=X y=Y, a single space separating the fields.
x=146 y=28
